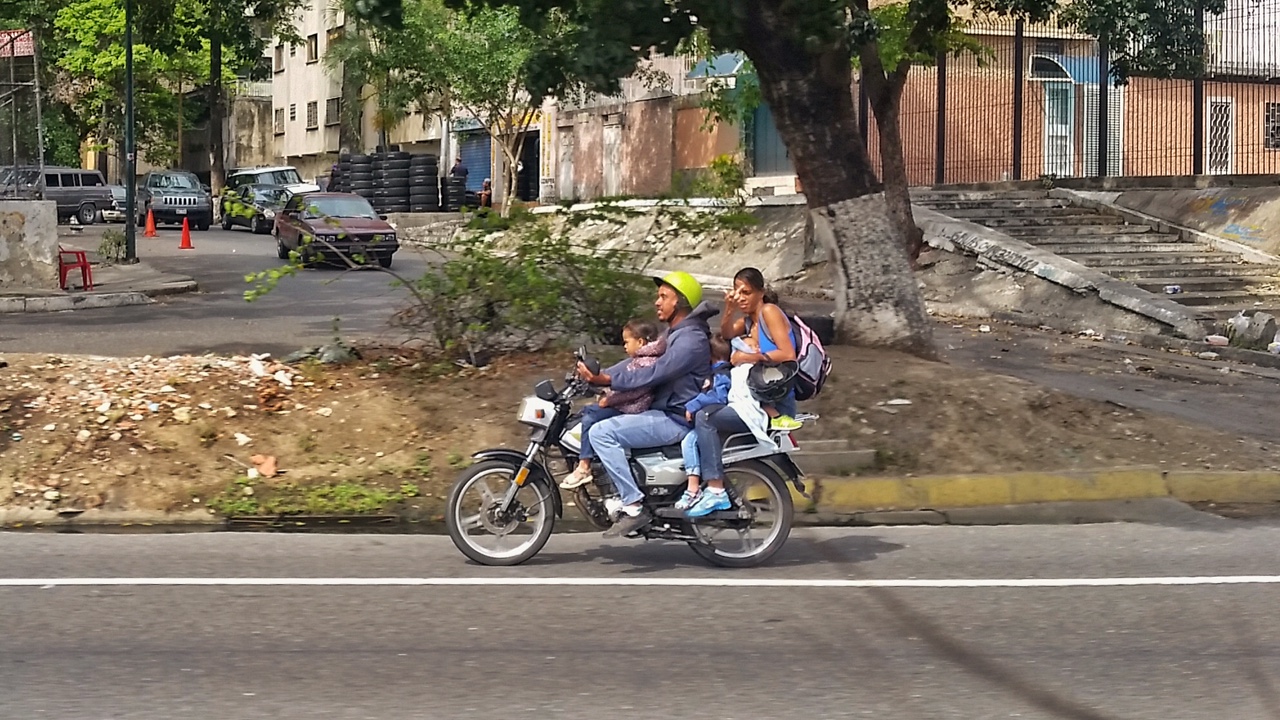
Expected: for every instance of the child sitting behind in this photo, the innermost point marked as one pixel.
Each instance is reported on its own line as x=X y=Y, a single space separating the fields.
x=715 y=395
x=644 y=343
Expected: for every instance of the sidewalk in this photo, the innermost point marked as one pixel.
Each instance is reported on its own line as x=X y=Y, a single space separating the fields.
x=113 y=286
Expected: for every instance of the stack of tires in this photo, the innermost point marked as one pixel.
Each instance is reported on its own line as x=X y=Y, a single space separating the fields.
x=392 y=182
x=359 y=179
x=424 y=184
x=340 y=180
x=455 y=193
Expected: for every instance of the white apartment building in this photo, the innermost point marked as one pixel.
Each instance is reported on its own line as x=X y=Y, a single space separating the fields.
x=307 y=101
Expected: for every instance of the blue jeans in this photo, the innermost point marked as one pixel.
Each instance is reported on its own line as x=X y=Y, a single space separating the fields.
x=591 y=415
x=612 y=438
x=689 y=449
x=709 y=425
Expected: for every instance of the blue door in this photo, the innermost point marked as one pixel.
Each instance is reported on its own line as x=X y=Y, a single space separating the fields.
x=474 y=149
x=768 y=155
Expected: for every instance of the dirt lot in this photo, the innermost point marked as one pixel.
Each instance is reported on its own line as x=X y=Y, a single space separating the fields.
x=389 y=433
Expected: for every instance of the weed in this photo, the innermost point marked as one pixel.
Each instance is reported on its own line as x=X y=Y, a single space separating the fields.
x=307 y=442
x=457 y=460
x=422 y=464
x=342 y=498
x=112 y=247
x=311 y=370
x=208 y=434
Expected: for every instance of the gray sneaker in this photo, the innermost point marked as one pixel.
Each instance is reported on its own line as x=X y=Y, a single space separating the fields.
x=628 y=524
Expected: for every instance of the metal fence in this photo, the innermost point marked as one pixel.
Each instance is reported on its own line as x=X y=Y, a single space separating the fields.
x=1033 y=106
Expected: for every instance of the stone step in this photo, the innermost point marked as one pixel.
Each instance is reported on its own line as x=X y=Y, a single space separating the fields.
x=985 y=212
x=1086 y=220
x=928 y=196
x=1123 y=239
x=1206 y=284
x=1110 y=260
x=1178 y=274
x=1223 y=298
x=1222 y=312
x=943 y=206
x=1092 y=248
x=1025 y=231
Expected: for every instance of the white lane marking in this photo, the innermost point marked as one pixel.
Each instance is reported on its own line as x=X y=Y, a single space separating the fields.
x=642 y=582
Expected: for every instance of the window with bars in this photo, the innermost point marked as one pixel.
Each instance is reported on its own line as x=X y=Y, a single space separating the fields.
x=313 y=48
x=332 y=111
x=1221 y=130
x=1271 y=126
x=313 y=115
x=293 y=112
x=277 y=124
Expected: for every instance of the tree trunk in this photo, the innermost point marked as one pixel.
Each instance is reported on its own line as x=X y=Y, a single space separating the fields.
x=217 y=167
x=350 y=138
x=885 y=94
x=180 y=161
x=878 y=302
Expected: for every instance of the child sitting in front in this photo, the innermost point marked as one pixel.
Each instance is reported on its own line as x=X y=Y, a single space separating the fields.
x=644 y=343
x=715 y=395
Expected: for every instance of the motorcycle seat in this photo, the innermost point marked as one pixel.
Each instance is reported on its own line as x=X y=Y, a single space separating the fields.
x=669 y=452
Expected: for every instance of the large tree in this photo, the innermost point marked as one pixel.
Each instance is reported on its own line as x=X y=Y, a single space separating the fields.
x=803 y=51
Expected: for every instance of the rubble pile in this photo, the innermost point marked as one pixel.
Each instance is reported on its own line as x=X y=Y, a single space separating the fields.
x=102 y=408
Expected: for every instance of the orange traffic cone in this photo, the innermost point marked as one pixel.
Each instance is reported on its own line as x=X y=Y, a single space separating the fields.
x=186 y=236
x=151 y=225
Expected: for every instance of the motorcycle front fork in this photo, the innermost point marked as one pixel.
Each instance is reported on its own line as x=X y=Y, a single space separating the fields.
x=522 y=476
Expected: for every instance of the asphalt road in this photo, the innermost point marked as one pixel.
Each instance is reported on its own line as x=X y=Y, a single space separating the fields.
x=558 y=647
x=299 y=312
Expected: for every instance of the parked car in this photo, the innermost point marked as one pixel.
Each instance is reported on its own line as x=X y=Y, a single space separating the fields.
x=253 y=206
x=174 y=195
x=323 y=226
x=79 y=193
x=285 y=175
x=115 y=211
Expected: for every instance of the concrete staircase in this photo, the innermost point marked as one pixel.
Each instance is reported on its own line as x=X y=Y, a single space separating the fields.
x=1217 y=284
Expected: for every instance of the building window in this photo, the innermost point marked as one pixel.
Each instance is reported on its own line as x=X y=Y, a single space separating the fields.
x=313 y=48
x=279 y=59
x=1050 y=47
x=277 y=124
x=293 y=112
x=293 y=49
x=313 y=115
x=1271 y=126
x=332 y=111
x=333 y=37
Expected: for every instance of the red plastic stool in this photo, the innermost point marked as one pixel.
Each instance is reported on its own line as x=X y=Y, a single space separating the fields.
x=79 y=259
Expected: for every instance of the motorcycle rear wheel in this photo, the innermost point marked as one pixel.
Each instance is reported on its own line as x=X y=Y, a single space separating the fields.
x=481 y=533
x=726 y=544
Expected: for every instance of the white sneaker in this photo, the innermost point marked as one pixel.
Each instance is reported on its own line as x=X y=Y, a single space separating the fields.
x=575 y=479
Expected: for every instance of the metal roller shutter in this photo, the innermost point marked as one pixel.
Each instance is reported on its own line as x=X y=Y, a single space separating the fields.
x=474 y=150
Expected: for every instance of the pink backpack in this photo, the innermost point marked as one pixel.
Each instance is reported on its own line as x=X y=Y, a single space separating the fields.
x=812 y=358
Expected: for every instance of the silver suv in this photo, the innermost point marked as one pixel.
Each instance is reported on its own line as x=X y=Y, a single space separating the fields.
x=174 y=195
x=79 y=193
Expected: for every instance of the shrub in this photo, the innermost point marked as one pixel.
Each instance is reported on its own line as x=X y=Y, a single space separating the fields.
x=112 y=247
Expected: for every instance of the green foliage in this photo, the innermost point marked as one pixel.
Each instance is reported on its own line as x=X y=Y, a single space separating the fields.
x=112 y=247
x=538 y=284
x=245 y=498
x=724 y=178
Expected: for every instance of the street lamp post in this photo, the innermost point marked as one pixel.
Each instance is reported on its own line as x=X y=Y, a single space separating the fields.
x=130 y=152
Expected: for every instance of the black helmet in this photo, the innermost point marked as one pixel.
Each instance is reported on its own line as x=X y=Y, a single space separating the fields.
x=769 y=384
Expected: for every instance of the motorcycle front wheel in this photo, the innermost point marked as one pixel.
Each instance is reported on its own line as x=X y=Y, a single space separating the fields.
x=485 y=534
x=744 y=543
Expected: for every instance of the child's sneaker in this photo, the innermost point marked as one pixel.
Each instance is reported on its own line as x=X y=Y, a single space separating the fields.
x=709 y=502
x=785 y=422
x=575 y=479
x=687 y=500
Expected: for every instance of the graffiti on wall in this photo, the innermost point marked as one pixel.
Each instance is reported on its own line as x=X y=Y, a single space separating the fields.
x=1244 y=233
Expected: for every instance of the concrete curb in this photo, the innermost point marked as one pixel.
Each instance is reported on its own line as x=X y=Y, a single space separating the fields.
x=94 y=300
x=948 y=494
x=16 y=517
x=991 y=246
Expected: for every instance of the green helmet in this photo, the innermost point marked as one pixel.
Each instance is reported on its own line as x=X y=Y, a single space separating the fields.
x=684 y=284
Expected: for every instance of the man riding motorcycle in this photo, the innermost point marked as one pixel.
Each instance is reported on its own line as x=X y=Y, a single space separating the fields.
x=676 y=378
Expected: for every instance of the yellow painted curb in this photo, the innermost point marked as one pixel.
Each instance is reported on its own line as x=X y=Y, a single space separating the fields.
x=976 y=490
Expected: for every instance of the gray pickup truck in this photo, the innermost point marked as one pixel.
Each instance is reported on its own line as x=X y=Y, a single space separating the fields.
x=173 y=196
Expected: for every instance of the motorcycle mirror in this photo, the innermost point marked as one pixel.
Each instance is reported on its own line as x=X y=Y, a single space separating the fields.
x=545 y=391
x=592 y=364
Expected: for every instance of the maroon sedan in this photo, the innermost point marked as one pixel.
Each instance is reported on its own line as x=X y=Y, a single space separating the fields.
x=329 y=226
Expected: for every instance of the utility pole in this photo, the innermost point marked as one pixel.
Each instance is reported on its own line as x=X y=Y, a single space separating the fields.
x=130 y=152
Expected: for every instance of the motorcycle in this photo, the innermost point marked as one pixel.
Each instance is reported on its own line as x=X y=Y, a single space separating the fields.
x=503 y=508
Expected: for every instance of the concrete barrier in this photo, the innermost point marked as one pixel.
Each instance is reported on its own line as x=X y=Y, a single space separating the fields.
x=28 y=245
